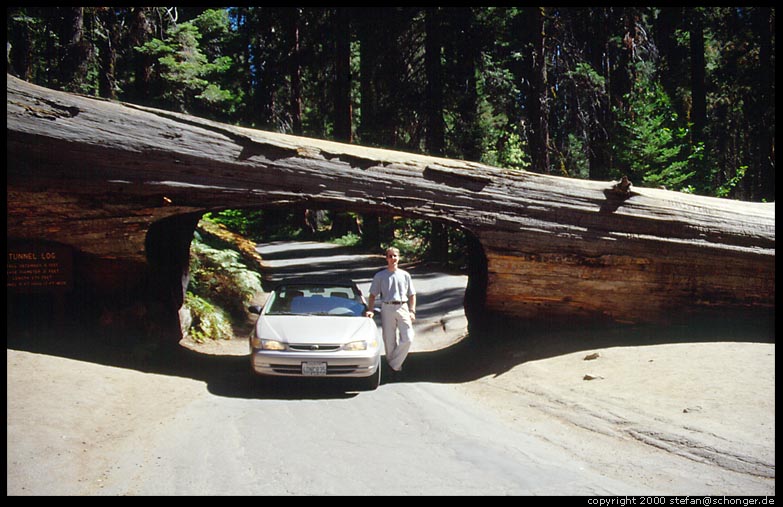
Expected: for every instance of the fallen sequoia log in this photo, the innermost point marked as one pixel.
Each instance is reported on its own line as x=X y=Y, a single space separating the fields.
x=124 y=184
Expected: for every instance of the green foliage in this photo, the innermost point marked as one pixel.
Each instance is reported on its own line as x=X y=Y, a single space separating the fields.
x=248 y=223
x=351 y=240
x=652 y=150
x=410 y=237
x=503 y=144
x=574 y=161
x=209 y=321
x=507 y=150
x=726 y=189
x=220 y=276
x=221 y=286
x=413 y=238
x=184 y=73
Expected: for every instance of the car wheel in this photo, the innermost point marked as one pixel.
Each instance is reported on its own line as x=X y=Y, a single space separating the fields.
x=372 y=382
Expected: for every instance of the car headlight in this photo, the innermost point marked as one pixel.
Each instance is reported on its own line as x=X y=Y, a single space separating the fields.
x=262 y=344
x=360 y=345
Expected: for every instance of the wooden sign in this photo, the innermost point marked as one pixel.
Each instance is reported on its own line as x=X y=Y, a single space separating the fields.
x=33 y=266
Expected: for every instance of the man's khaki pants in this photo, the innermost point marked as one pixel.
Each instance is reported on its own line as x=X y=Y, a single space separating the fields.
x=393 y=318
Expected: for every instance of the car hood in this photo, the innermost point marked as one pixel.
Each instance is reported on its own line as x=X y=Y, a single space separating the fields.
x=315 y=328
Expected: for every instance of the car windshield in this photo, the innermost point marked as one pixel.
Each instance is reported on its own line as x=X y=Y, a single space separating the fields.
x=301 y=299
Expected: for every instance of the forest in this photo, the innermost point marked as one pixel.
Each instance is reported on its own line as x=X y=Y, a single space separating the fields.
x=674 y=97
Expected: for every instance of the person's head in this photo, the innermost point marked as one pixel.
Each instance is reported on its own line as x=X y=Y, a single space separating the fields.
x=392 y=257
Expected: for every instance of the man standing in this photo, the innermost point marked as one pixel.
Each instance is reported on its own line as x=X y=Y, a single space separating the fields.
x=398 y=308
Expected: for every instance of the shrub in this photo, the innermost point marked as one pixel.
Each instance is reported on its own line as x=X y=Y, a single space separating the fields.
x=220 y=276
x=221 y=286
x=209 y=321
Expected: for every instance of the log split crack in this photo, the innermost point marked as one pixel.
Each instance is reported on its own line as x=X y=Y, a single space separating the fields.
x=55 y=111
x=453 y=178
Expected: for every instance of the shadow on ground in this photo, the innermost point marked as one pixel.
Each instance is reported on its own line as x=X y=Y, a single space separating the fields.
x=493 y=353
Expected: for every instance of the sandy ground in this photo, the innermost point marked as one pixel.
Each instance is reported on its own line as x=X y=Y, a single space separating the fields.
x=690 y=409
x=710 y=403
x=702 y=396
x=682 y=407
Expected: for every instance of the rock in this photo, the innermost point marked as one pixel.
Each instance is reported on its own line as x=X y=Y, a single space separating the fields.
x=185 y=319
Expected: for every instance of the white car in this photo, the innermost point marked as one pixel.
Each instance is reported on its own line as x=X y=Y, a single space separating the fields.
x=316 y=329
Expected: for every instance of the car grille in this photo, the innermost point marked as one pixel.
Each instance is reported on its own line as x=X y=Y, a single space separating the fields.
x=289 y=369
x=310 y=347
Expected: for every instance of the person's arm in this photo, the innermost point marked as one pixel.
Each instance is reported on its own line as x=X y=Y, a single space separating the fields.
x=411 y=298
x=370 y=306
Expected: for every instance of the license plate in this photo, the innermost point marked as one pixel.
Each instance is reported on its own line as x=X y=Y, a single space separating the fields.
x=313 y=369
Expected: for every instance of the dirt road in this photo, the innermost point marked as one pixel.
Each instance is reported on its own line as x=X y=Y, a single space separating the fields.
x=617 y=412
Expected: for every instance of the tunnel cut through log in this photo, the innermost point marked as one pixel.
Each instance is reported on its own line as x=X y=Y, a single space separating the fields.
x=96 y=174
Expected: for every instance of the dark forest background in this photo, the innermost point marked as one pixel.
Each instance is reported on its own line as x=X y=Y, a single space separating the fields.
x=681 y=97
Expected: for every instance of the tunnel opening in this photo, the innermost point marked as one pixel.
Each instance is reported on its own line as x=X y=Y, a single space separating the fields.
x=124 y=301
x=326 y=237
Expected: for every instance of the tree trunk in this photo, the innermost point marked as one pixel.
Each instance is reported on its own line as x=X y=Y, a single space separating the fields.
x=141 y=32
x=765 y=25
x=295 y=67
x=74 y=67
x=342 y=93
x=469 y=133
x=19 y=61
x=599 y=151
x=674 y=59
x=107 y=81
x=266 y=78
x=698 y=90
x=537 y=100
x=97 y=174
x=439 y=239
x=366 y=25
x=434 y=91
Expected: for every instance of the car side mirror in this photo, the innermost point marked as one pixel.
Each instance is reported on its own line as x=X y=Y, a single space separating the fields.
x=254 y=309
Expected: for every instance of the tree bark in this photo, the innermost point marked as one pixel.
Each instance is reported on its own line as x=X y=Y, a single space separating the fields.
x=343 y=116
x=96 y=175
x=434 y=91
x=295 y=67
x=366 y=25
x=698 y=87
x=140 y=32
x=537 y=101
x=268 y=77
x=764 y=21
x=107 y=80
x=19 y=60
x=439 y=239
x=74 y=68
x=468 y=133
